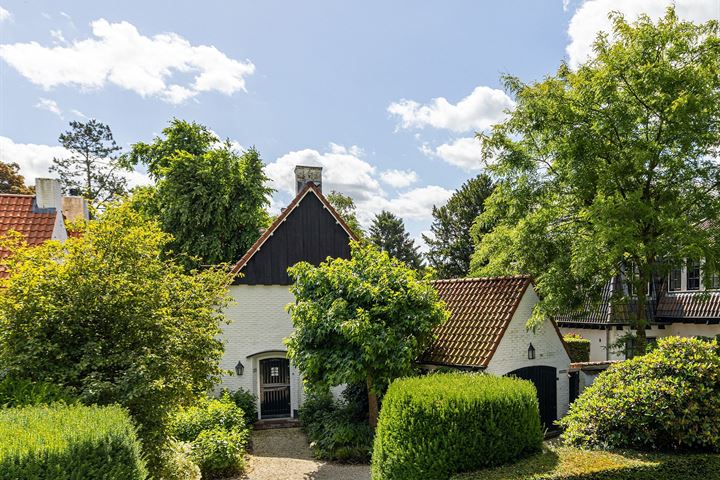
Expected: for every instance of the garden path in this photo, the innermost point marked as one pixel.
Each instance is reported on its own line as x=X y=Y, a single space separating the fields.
x=284 y=454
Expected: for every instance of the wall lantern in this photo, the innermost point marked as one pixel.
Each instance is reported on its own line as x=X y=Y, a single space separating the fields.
x=531 y=352
x=239 y=368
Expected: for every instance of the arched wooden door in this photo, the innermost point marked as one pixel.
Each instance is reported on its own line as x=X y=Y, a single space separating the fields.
x=274 y=388
x=545 y=380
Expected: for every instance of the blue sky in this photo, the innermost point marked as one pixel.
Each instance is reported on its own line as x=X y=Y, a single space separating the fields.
x=385 y=95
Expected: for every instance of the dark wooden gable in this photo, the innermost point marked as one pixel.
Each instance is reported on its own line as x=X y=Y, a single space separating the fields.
x=309 y=233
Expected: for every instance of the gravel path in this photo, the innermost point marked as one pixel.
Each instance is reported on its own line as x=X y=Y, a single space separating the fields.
x=284 y=454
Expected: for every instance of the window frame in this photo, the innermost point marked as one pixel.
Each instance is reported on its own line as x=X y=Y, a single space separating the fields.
x=693 y=266
x=679 y=272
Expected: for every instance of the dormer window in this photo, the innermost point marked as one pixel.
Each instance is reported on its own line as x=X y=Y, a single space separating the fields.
x=676 y=279
x=693 y=275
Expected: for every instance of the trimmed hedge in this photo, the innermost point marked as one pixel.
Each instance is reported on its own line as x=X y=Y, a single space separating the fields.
x=574 y=464
x=668 y=399
x=578 y=347
x=69 y=442
x=431 y=427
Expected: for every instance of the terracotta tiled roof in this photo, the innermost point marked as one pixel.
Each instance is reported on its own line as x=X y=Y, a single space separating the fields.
x=20 y=213
x=310 y=187
x=481 y=310
x=689 y=306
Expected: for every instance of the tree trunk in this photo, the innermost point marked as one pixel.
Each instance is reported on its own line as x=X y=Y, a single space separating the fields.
x=372 y=404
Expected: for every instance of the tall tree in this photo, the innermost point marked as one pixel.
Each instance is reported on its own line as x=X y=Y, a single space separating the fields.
x=362 y=320
x=451 y=243
x=387 y=232
x=92 y=168
x=345 y=206
x=11 y=181
x=211 y=198
x=610 y=166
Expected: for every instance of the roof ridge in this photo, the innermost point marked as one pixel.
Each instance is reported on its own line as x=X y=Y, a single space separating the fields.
x=478 y=279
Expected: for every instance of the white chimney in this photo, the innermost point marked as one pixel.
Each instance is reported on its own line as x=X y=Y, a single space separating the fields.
x=305 y=174
x=74 y=208
x=48 y=193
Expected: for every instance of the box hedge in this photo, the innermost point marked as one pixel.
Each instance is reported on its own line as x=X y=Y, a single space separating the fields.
x=431 y=427
x=69 y=442
x=578 y=347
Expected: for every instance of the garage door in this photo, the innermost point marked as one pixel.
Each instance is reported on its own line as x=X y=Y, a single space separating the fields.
x=545 y=380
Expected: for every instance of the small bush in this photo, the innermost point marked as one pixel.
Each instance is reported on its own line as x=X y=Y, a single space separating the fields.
x=431 y=427
x=220 y=453
x=667 y=399
x=247 y=402
x=18 y=392
x=578 y=347
x=338 y=430
x=209 y=414
x=177 y=463
x=69 y=442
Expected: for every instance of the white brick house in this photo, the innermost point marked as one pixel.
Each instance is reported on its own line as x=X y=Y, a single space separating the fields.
x=487 y=332
x=310 y=230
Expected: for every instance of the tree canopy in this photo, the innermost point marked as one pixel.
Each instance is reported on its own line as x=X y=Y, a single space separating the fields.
x=92 y=169
x=451 y=243
x=11 y=181
x=362 y=320
x=387 y=232
x=210 y=197
x=345 y=206
x=610 y=167
x=107 y=317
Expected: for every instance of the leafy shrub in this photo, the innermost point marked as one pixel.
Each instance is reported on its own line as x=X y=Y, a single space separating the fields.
x=69 y=442
x=338 y=430
x=431 y=427
x=18 y=392
x=220 y=453
x=209 y=414
x=177 y=463
x=578 y=347
x=667 y=399
x=247 y=402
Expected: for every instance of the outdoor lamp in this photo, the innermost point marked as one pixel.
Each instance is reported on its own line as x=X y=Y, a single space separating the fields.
x=531 y=352
x=239 y=368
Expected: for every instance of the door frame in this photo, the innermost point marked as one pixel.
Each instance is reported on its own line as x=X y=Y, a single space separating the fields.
x=268 y=355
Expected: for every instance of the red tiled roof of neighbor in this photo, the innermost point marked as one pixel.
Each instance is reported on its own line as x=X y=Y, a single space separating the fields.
x=689 y=306
x=481 y=311
x=19 y=213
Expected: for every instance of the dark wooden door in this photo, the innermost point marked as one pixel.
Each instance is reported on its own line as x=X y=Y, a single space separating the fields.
x=274 y=388
x=545 y=380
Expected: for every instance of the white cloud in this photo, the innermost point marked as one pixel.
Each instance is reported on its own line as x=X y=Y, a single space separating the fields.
x=50 y=106
x=480 y=110
x=4 y=14
x=35 y=160
x=57 y=36
x=399 y=178
x=465 y=153
x=118 y=54
x=346 y=171
x=592 y=17
x=80 y=114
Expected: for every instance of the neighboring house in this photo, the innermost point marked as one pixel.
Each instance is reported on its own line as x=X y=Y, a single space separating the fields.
x=487 y=332
x=310 y=230
x=679 y=305
x=40 y=217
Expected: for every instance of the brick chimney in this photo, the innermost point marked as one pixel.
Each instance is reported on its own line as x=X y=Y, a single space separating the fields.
x=48 y=193
x=75 y=207
x=305 y=174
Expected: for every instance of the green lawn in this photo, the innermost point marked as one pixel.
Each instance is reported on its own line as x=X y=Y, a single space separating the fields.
x=562 y=463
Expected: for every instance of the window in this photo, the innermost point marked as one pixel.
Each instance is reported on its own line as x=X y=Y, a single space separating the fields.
x=693 y=276
x=675 y=279
x=715 y=281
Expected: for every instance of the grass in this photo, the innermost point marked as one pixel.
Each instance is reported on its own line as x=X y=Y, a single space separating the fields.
x=564 y=463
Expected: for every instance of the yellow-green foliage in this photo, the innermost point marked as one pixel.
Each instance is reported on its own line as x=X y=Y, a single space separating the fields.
x=578 y=347
x=573 y=464
x=69 y=442
x=431 y=427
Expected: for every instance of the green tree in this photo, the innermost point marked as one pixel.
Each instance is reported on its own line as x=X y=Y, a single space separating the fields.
x=105 y=316
x=362 y=320
x=345 y=206
x=610 y=166
x=451 y=243
x=92 y=168
x=11 y=181
x=211 y=198
x=387 y=232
